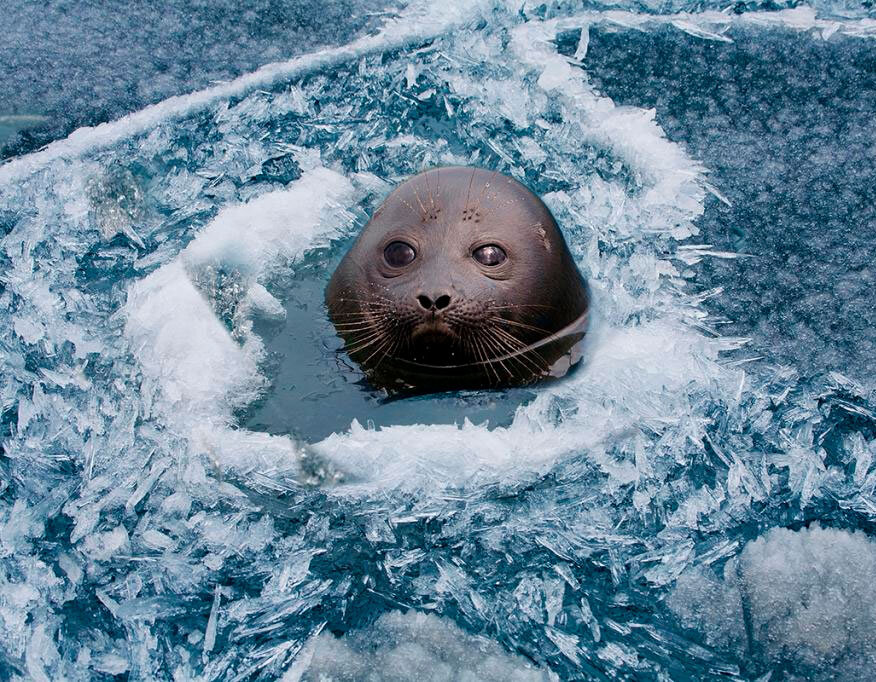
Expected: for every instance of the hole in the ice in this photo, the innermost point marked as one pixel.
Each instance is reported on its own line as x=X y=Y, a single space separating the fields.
x=315 y=390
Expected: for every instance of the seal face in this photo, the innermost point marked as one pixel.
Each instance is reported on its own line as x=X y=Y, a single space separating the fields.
x=461 y=279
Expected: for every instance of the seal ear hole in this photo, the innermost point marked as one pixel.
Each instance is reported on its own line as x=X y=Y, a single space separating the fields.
x=490 y=255
x=397 y=254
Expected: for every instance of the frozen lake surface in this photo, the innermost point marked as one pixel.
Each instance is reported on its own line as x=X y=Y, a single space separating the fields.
x=69 y=64
x=196 y=484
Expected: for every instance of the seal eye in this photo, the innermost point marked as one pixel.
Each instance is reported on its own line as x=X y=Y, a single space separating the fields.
x=399 y=254
x=490 y=255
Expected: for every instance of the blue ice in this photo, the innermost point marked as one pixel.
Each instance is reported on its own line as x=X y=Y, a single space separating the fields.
x=194 y=485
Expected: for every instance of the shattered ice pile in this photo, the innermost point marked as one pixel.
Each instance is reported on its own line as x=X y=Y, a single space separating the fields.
x=144 y=533
x=805 y=600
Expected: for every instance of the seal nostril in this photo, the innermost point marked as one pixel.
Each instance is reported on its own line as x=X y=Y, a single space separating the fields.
x=425 y=301
x=442 y=302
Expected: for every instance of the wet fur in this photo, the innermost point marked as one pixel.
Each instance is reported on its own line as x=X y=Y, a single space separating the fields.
x=495 y=314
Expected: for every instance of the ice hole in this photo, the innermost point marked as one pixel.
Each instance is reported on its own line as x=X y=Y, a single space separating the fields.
x=316 y=390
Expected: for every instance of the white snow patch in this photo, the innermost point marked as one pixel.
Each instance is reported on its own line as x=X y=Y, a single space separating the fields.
x=809 y=597
x=413 y=646
x=196 y=371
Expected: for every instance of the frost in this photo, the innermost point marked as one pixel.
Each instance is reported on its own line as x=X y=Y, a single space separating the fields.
x=99 y=64
x=600 y=531
x=414 y=646
x=801 y=599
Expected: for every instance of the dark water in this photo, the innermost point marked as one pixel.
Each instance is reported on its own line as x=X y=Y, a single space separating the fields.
x=316 y=390
x=788 y=129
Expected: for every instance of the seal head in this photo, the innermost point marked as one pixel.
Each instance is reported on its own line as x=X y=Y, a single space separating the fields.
x=461 y=279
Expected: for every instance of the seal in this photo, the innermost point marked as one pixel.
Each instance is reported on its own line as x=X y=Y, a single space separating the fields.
x=460 y=279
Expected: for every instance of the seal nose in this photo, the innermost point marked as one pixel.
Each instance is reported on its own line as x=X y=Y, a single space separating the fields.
x=438 y=303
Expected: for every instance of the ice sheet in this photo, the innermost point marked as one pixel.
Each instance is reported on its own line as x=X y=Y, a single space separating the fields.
x=144 y=533
x=786 y=129
x=97 y=61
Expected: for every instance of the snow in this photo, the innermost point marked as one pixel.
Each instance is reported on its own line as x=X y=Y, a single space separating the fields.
x=407 y=646
x=604 y=531
x=802 y=599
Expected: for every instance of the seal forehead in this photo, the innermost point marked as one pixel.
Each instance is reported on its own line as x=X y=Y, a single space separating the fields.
x=421 y=197
x=472 y=196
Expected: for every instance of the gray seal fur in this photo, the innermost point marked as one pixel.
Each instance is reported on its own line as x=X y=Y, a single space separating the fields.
x=460 y=279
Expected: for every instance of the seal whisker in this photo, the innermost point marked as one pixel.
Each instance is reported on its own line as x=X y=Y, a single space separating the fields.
x=429 y=188
x=502 y=346
x=521 y=325
x=360 y=344
x=356 y=348
x=468 y=191
x=388 y=339
x=424 y=212
x=388 y=350
x=516 y=349
x=515 y=343
x=364 y=313
x=371 y=344
x=482 y=352
x=522 y=350
x=527 y=368
x=368 y=317
x=493 y=343
x=353 y=328
x=477 y=351
x=408 y=205
x=358 y=336
x=516 y=306
x=360 y=324
x=438 y=183
x=501 y=352
x=484 y=188
x=393 y=348
x=353 y=317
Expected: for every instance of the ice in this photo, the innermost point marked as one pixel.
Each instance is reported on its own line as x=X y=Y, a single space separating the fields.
x=782 y=206
x=197 y=363
x=145 y=531
x=118 y=58
x=420 y=22
x=802 y=600
x=407 y=646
